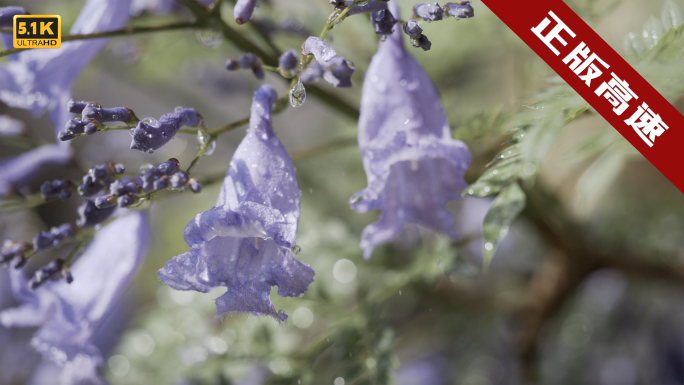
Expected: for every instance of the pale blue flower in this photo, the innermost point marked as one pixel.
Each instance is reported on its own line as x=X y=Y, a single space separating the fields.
x=69 y=315
x=245 y=241
x=412 y=164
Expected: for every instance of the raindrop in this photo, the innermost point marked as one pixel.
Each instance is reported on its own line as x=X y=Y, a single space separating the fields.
x=202 y=139
x=297 y=95
x=178 y=109
x=296 y=249
x=209 y=38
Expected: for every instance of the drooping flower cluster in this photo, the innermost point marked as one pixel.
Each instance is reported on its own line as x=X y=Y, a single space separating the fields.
x=412 y=164
x=336 y=70
x=68 y=316
x=245 y=241
x=430 y=12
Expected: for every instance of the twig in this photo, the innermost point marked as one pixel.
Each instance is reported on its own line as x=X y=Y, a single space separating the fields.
x=119 y=32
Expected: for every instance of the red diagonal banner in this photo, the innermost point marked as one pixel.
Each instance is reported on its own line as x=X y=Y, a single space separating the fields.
x=603 y=78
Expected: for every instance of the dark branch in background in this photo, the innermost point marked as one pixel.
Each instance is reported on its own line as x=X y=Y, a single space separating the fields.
x=561 y=274
x=116 y=33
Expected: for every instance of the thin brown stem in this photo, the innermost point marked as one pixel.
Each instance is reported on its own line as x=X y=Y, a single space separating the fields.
x=120 y=32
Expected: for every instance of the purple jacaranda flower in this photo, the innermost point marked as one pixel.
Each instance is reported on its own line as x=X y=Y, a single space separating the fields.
x=7 y=21
x=150 y=134
x=412 y=164
x=245 y=241
x=41 y=79
x=15 y=173
x=68 y=315
x=336 y=69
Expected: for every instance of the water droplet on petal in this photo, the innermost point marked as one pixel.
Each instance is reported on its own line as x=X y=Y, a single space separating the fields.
x=296 y=249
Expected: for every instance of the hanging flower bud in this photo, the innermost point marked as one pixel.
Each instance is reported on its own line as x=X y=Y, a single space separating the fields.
x=460 y=10
x=369 y=7
x=151 y=134
x=243 y=10
x=383 y=22
x=428 y=11
x=336 y=69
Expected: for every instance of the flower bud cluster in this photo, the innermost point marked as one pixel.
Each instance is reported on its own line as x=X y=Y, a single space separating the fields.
x=47 y=239
x=47 y=271
x=460 y=9
x=17 y=252
x=92 y=118
x=414 y=31
x=58 y=188
x=99 y=177
x=246 y=61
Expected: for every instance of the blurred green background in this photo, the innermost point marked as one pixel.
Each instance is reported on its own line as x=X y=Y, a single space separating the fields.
x=586 y=288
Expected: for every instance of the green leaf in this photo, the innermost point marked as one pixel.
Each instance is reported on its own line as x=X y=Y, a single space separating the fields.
x=503 y=211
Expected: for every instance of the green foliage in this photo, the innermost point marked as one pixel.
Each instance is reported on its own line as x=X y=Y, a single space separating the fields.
x=506 y=207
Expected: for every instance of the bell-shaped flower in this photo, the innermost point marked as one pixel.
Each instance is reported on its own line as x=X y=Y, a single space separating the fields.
x=69 y=315
x=412 y=163
x=245 y=241
x=41 y=79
